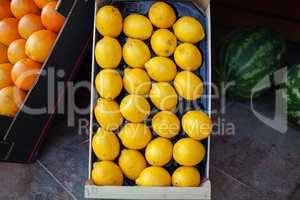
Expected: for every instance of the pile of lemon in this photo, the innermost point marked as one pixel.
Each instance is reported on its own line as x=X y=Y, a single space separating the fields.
x=139 y=157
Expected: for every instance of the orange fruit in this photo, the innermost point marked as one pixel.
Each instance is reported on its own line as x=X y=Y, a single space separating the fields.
x=41 y=3
x=51 y=19
x=5 y=79
x=11 y=99
x=9 y=31
x=16 y=51
x=24 y=73
x=29 y=24
x=3 y=54
x=5 y=9
x=19 y=8
x=39 y=45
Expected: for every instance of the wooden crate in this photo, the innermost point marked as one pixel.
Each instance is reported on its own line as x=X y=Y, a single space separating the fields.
x=135 y=192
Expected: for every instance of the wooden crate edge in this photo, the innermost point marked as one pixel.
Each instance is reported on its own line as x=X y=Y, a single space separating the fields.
x=134 y=192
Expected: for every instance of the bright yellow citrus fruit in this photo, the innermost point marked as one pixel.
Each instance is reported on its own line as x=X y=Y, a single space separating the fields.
x=197 y=125
x=132 y=163
x=188 y=57
x=163 y=42
x=136 y=53
x=136 y=81
x=159 y=152
x=162 y=15
x=109 y=83
x=106 y=145
x=189 y=29
x=109 y=21
x=188 y=85
x=163 y=96
x=186 y=177
x=154 y=177
x=108 y=115
x=135 y=108
x=166 y=124
x=135 y=136
x=188 y=152
x=137 y=26
x=108 y=53
x=161 y=69
x=107 y=173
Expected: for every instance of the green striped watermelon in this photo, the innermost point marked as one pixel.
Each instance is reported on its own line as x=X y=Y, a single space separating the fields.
x=292 y=93
x=246 y=57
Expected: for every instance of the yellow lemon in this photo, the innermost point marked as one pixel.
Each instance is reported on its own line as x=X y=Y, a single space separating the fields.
x=135 y=108
x=132 y=163
x=188 y=85
x=188 y=57
x=108 y=53
x=163 y=96
x=163 y=42
x=197 y=125
x=106 y=145
x=166 y=124
x=107 y=173
x=136 y=53
x=188 y=152
x=136 y=81
x=109 y=21
x=186 y=177
x=189 y=29
x=159 y=152
x=161 y=69
x=135 y=136
x=154 y=177
x=137 y=26
x=109 y=83
x=162 y=15
x=108 y=115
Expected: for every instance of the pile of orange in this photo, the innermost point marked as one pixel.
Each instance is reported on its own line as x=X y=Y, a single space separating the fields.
x=28 y=30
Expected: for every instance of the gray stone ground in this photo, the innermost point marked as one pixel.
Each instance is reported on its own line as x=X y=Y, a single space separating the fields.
x=257 y=163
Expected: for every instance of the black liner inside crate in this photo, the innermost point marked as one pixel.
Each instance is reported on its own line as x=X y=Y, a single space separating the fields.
x=182 y=8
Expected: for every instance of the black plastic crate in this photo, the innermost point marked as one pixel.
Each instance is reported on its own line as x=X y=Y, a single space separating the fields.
x=21 y=136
